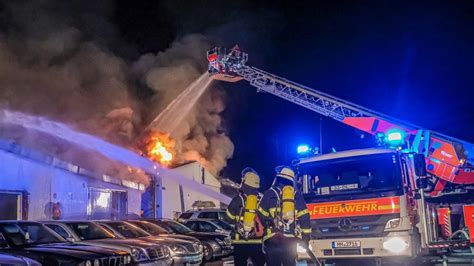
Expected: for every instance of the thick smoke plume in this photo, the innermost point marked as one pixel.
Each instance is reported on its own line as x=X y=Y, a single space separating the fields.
x=60 y=60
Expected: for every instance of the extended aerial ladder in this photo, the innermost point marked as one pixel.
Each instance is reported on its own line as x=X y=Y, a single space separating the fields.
x=449 y=160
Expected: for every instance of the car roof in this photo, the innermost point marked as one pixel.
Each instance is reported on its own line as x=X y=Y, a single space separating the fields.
x=137 y=221
x=108 y=221
x=201 y=220
x=206 y=210
x=18 y=221
x=66 y=221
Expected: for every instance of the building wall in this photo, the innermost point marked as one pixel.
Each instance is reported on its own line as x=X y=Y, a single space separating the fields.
x=171 y=196
x=46 y=184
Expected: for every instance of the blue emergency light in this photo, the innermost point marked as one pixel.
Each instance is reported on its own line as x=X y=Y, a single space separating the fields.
x=303 y=149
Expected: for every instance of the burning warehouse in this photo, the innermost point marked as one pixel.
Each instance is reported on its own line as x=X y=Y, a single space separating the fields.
x=173 y=198
x=48 y=174
x=43 y=177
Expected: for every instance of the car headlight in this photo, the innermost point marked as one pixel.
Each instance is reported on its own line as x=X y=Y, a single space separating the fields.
x=96 y=263
x=199 y=245
x=139 y=254
x=300 y=248
x=393 y=223
x=213 y=244
x=395 y=244
x=166 y=251
x=176 y=250
x=88 y=263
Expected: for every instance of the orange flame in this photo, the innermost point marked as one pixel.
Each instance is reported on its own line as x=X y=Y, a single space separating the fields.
x=159 y=147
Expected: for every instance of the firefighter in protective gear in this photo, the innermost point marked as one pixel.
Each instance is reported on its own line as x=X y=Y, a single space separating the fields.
x=285 y=217
x=242 y=213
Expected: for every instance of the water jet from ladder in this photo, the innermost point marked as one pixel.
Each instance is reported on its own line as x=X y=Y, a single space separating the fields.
x=175 y=113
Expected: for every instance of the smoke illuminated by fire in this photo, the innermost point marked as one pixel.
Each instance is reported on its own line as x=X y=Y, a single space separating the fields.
x=159 y=147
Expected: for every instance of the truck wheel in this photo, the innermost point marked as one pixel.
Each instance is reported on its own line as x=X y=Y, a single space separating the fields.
x=207 y=252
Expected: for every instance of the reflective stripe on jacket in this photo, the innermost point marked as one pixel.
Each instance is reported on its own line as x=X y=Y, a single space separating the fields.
x=270 y=205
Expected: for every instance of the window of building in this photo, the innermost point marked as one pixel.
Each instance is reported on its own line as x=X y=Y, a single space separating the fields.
x=11 y=205
x=107 y=204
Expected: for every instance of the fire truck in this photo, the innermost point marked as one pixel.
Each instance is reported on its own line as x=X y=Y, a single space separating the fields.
x=408 y=199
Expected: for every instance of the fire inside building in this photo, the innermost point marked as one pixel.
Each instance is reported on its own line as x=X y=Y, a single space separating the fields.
x=44 y=178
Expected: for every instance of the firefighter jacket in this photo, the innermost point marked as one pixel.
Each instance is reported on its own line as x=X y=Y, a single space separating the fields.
x=270 y=208
x=235 y=215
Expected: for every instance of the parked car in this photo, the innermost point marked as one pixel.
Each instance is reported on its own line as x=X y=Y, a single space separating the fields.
x=156 y=230
x=209 y=226
x=7 y=259
x=90 y=233
x=182 y=251
x=211 y=213
x=37 y=242
x=215 y=244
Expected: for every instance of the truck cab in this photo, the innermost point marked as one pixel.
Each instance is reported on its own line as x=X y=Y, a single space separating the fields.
x=361 y=204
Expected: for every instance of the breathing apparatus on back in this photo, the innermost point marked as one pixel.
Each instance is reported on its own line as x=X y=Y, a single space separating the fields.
x=246 y=222
x=285 y=216
x=249 y=213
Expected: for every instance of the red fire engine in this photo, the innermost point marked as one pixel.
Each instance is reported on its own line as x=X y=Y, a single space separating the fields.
x=408 y=199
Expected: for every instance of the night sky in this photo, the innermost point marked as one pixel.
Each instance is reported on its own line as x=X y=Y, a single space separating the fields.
x=413 y=61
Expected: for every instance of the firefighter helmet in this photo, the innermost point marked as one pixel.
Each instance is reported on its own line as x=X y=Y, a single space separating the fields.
x=250 y=178
x=285 y=172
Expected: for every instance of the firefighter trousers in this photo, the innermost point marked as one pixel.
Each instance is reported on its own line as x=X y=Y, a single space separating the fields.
x=242 y=252
x=280 y=250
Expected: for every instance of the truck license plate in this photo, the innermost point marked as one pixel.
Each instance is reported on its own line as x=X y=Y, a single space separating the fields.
x=346 y=244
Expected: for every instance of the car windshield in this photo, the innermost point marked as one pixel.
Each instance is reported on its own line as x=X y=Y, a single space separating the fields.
x=186 y=215
x=368 y=173
x=127 y=230
x=27 y=234
x=150 y=228
x=176 y=227
x=89 y=231
x=223 y=225
x=222 y=215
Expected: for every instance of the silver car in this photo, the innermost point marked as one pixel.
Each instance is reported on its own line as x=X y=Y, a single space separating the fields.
x=209 y=214
x=90 y=233
x=182 y=251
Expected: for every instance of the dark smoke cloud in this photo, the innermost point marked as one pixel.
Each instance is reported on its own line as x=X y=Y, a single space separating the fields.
x=201 y=136
x=62 y=59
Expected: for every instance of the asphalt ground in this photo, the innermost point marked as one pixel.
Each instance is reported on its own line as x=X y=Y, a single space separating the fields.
x=230 y=261
x=222 y=261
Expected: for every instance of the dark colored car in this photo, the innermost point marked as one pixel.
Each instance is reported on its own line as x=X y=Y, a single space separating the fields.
x=90 y=233
x=215 y=244
x=7 y=259
x=182 y=251
x=156 y=230
x=209 y=226
x=37 y=242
